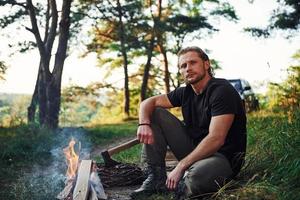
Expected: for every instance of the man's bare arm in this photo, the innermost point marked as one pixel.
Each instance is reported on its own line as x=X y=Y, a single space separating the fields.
x=144 y=132
x=218 y=130
x=148 y=105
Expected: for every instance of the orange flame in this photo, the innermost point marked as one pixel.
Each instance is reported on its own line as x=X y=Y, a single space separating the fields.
x=72 y=159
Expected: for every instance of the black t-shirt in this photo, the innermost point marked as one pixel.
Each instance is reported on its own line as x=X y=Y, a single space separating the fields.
x=218 y=97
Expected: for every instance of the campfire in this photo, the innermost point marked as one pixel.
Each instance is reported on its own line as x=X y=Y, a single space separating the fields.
x=83 y=176
x=83 y=182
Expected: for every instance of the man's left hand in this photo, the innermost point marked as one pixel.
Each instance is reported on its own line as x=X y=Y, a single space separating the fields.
x=174 y=177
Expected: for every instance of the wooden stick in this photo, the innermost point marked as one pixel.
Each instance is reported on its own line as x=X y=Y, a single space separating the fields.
x=81 y=190
x=123 y=146
x=67 y=190
x=93 y=194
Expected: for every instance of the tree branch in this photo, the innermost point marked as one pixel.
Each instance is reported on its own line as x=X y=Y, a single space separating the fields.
x=13 y=3
x=64 y=28
x=105 y=35
x=53 y=26
x=35 y=29
x=29 y=29
x=47 y=21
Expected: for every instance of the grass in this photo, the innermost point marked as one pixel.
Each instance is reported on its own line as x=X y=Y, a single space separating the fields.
x=108 y=133
x=23 y=143
x=21 y=148
x=111 y=133
x=272 y=168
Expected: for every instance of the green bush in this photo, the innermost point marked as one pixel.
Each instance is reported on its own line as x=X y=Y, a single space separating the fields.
x=272 y=168
x=24 y=143
x=22 y=150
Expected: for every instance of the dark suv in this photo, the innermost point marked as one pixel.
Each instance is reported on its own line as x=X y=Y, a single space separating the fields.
x=247 y=95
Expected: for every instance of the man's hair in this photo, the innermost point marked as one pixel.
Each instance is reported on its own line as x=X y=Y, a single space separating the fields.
x=200 y=53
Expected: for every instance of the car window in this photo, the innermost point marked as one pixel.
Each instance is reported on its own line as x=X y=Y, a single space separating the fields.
x=236 y=83
x=247 y=95
x=245 y=83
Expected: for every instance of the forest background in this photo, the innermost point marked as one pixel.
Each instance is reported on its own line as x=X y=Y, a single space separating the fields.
x=135 y=43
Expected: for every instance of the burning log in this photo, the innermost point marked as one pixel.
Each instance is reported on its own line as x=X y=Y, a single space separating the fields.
x=83 y=184
x=86 y=186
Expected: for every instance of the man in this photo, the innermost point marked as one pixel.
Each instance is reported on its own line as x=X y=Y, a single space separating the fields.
x=210 y=144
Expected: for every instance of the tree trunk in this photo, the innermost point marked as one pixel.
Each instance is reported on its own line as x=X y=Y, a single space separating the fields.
x=31 y=110
x=167 y=73
x=166 y=67
x=44 y=78
x=48 y=86
x=53 y=103
x=163 y=50
x=125 y=62
x=147 y=69
x=53 y=86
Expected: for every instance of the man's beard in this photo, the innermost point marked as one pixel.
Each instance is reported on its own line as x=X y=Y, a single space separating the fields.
x=194 y=81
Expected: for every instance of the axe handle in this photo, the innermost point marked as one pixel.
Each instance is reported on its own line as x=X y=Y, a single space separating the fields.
x=123 y=146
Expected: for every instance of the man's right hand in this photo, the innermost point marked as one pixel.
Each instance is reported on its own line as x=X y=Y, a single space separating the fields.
x=145 y=135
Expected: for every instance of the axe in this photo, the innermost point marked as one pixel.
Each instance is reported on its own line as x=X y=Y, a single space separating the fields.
x=106 y=155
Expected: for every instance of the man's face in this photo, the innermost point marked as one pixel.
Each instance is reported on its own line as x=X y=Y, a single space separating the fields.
x=192 y=67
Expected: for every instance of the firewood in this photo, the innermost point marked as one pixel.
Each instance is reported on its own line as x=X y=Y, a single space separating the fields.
x=97 y=185
x=67 y=190
x=124 y=174
x=81 y=190
x=93 y=194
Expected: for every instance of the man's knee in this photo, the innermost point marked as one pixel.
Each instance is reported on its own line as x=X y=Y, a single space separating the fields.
x=203 y=183
x=208 y=175
x=158 y=114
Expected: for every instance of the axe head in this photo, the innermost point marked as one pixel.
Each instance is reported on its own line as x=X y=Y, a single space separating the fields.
x=108 y=161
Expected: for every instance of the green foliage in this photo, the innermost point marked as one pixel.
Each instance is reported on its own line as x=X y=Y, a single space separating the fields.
x=12 y=17
x=110 y=110
x=13 y=109
x=142 y=20
x=225 y=10
x=286 y=95
x=131 y=155
x=21 y=148
x=105 y=133
x=79 y=105
x=107 y=35
x=275 y=143
x=3 y=68
x=285 y=17
x=23 y=144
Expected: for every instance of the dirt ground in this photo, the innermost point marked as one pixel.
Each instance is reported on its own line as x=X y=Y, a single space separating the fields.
x=123 y=193
x=118 y=193
x=115 y=193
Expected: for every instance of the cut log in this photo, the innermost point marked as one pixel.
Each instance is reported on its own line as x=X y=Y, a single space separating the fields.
x=97 y=186
x=67 y=190
x=81 y=190
x=93 y=194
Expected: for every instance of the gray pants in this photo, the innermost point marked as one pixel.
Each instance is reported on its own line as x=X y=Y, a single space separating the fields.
x=206 y=175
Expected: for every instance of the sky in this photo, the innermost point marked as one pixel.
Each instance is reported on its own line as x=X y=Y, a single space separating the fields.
x=240 y=56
